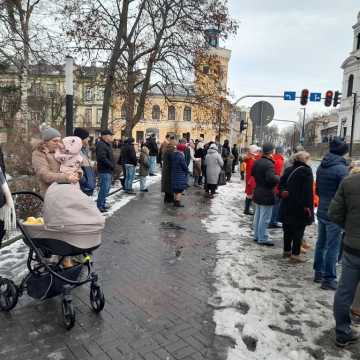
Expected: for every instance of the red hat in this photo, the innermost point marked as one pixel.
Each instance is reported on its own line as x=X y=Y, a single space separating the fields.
x=181 y=147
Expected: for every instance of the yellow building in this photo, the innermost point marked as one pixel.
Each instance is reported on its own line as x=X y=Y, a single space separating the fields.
x=199 y=110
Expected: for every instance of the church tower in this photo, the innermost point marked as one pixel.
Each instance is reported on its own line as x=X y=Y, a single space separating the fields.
x=212 y=67
x=351 y=85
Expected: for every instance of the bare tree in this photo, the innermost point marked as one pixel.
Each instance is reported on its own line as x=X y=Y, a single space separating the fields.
x=24 y=38
x=147 y=45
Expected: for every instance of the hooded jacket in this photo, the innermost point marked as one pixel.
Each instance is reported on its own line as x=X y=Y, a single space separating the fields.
x=329 y=175
x=179 y=172
x=213 y=163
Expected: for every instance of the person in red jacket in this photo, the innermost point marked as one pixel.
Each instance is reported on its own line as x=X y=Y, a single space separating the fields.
x=249 y=160
x=279 y=159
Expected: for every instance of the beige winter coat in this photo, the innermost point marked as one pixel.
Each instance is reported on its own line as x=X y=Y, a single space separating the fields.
x=46 y=168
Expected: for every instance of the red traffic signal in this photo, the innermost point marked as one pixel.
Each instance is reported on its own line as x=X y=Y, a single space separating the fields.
x=329 y=98
x=304 y=97
x=337 y=98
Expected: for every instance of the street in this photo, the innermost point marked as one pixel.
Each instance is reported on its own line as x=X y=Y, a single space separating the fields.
x=183 y=284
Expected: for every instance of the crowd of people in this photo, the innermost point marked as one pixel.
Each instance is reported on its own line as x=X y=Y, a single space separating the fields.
x=285 y=194
x=280 y=193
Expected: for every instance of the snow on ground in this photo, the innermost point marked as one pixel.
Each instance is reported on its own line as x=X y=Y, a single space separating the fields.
x=268 y=308
x=13 y=257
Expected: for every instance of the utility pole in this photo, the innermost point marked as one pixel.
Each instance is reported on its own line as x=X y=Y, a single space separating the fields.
x=69 y=91
x=353 y=124
x=303 y=128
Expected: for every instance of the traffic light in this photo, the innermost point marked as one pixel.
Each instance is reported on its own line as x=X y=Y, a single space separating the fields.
x=329 y=98
x=304 y=97
x=337 y=98
x=243 y=126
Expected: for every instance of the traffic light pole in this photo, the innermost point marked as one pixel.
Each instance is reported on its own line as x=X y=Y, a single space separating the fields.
x=303 y=128
x=353 y=124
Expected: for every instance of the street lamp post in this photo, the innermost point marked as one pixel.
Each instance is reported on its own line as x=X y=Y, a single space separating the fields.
x=353 y=125
x=69 y=91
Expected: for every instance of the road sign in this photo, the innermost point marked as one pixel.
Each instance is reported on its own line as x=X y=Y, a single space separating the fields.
x=261 y=114
x=289 y=95
x=315 y=97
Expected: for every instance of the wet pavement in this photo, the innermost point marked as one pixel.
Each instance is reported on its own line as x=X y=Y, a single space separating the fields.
x=155 y=266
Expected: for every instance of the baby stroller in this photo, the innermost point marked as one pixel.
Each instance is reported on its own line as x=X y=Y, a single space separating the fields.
x=48 y=278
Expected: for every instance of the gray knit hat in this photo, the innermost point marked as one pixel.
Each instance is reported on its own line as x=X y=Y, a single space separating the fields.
x=49 y=133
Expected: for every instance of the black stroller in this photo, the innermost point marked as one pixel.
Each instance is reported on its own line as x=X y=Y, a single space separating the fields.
x=48 y=278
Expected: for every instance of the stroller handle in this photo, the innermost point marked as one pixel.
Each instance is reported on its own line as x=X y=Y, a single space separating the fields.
x=28 y=193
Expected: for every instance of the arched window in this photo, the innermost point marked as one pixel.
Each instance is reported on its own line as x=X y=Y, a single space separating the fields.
x=350 y=85
x=358 y=42
x=156 y=112
x=171 y=113
x=187 y=113
x=123 y=112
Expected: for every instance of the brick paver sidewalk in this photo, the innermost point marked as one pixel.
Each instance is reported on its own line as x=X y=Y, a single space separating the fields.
x=155 y=264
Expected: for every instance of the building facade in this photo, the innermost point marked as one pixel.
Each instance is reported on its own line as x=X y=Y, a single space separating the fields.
x=351 y=86
x=197 y=110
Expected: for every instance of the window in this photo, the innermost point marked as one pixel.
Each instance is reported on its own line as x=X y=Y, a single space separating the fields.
x=88 y=117
x=358 y=42
x=36 y=90
x=139 y=137
x=100 y=94
x=51 y=90
x=88 y=94
x=344 y=132
x=350 y=85
x=187 y=113
x=171 y=113
x=98 y=116
x=123 y=112
x=156 y=112
x=206 y=70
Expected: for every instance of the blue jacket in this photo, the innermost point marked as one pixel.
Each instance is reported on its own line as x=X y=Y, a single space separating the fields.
x=179 y=172
x=329 y=175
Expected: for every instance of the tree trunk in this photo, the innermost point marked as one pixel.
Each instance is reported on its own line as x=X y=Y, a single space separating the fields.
x=110 y=73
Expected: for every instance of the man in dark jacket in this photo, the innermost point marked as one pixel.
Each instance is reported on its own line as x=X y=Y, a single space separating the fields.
x=330 y=173
x=344 y=210
x=129 y=160
x=153 y=153
x=235 y=152
x=264 y=194
x=105 y=167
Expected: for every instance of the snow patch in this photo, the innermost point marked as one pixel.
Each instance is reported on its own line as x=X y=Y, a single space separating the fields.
x=271 y=309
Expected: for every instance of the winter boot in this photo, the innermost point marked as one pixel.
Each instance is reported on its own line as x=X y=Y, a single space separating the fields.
x=247 y=210
x=168 y=198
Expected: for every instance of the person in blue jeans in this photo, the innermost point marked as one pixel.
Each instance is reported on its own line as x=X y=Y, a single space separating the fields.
x=263 y=172
x=130 y=162
x=330 y=173
x=344 y=210
x=105 y=167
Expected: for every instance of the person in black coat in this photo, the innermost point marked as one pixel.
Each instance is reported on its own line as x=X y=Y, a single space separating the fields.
x=297 y=205
x=105 y=167
x=179 y=173
x=153 y=153
x=235 y=152
x=128 y=156
x=263 y=172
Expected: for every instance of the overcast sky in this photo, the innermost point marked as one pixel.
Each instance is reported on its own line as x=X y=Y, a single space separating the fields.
x=287 y=45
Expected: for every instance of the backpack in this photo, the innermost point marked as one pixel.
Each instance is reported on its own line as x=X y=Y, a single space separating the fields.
x=88 y=180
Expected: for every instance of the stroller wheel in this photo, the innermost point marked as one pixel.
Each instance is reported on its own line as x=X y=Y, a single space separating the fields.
x=68 y=314
x=97 y=298
x=8 y=294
